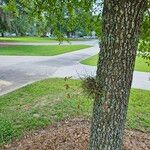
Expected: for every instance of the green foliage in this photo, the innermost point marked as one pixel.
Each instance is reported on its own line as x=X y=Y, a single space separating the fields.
x=59 y=17
x=144 y=44
x=5 y=17
x=20 y=25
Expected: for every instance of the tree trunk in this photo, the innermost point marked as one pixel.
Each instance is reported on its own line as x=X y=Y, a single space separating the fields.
x=121 y=24
x=2 y=34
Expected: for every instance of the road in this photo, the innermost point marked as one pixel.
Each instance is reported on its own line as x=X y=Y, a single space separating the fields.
x=18 y=71
x=87 y=42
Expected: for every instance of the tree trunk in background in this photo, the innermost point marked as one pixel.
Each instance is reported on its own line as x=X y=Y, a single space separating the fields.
x=68 y=34
x=2 y=34
x=121 y=24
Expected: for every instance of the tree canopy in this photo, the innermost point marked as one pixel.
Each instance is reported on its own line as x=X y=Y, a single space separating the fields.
x=62 y=17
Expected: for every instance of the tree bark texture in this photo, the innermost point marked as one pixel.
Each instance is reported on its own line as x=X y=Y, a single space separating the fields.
x=121 y=25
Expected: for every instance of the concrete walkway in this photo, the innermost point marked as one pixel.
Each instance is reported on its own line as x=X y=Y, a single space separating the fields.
x=86 y=42
x=17 y=71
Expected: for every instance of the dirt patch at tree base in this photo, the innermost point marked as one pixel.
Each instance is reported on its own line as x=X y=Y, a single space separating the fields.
x=74 y=135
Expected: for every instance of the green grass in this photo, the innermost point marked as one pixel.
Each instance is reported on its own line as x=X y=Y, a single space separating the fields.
x=34 y=39
x=140 y=64
x=92 y=61
x=45 y=102
x=40 y=50
x=27 y=39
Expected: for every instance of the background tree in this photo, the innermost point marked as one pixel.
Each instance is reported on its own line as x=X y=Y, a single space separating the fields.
x=5 y=18
x=144 y=43
x=20 y=25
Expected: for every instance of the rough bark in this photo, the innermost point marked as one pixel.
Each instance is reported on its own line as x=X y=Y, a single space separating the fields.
x=121 y=25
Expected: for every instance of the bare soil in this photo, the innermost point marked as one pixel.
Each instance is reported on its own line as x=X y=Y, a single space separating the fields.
x=3 y=45
x=73 y=135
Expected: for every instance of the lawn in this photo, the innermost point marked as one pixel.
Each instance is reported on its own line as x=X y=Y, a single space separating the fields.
x=34 y=39
x=50 y=50
x=140 y=64
x=45 y=102
x=27 y=39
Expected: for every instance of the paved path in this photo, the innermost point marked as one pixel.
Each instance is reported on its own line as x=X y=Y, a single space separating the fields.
x=17 y=71
x=87 y=42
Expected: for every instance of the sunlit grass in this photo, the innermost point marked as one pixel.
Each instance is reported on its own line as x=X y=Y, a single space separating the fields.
x=49 y=50
x=140 y=64
x=45 y=102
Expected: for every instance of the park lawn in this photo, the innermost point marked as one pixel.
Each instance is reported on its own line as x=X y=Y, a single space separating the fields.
x=35 y=39
x=50 y=50
x=45 y=102
x=27 y=39
x=140 y=64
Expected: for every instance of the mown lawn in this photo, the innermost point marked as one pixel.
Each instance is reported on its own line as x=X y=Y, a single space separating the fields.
x=50 y=50
x=35 y=39
x=52 y=100
x=27 y=39
x=140 y=64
